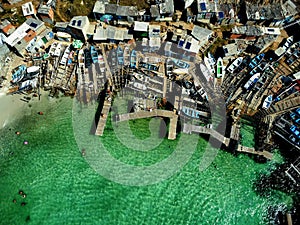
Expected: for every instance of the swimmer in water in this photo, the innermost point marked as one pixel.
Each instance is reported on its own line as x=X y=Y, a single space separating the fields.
x=14 y=201
x=23 y=203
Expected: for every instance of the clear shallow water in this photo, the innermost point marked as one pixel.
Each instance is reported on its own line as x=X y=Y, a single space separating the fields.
x=247 y=132
x=62 y=188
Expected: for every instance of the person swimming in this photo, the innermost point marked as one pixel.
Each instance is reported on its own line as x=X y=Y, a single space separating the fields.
x=23 y=203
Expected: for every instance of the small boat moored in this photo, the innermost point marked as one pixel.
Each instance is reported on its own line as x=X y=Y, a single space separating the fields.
x=267 y=102
x=120 y=56
x=133 y=59
x=236 y=63
x=94 y=54
x=250 y=83
x=220 y=68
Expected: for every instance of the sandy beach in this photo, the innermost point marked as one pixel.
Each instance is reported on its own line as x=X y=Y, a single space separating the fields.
x=12 y=107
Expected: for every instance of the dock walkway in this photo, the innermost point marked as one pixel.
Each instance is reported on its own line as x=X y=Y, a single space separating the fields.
x=154 y=113
x=189 y=128
x=266 y=154
x=103 y=118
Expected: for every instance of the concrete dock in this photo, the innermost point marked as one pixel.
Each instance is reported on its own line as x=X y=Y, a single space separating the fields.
x=266 y=154
x=103 y=118
x=154 y=113
x=189 y=128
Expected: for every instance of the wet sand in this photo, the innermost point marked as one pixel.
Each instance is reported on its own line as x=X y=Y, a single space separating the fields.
x=12 y=107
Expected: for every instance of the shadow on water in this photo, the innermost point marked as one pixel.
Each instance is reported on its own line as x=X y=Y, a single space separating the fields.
x=100 y=100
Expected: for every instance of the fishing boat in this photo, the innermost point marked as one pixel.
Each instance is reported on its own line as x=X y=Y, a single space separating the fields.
x=87 y=58
x=81 y=58
x=267 y=102
x=28 y=84
x=126 y=56
x=211 y=58
x=236 y=63
x=120 y=56
x=113 y=60
x=260 y=68
x=256 y=60
x=148 y=66
x=193 y=113
x=289 y=42
x=133 y=59
x=18 y=74
x=101 y=63
x=180 y=71
x=140 y=86
x=252 y=81
x=209 y=64
x=94 y=54
x=32 y=71
x=181 y=64
x=220 y=68
x=52 y=49
x=169 y=67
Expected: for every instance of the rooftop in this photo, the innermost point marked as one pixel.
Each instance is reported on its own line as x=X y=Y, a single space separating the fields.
x=79 y=22
x=141 y=26
x=167 y=7
x=44 y=9
x=28 y=9
x=201 y=33
x=111 y=32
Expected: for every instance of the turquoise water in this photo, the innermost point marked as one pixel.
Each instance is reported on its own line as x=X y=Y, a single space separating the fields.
x=62 y=187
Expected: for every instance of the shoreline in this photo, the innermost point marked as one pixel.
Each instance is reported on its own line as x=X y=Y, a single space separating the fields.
x=13 y=108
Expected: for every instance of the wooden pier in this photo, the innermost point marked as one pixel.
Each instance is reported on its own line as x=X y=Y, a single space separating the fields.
x=189 y=128
x=266 y=154
x=154 y=113
x=103 y=118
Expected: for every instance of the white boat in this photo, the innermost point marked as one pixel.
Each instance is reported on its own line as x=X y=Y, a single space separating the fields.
x=81 y=58
x=28 y=84
x=288 y=43
x=65 y=56
x=181 y=71
x=267 y=102
x=236 y=63
x=126 y=56
x=209 y=64
x=252 y=81
x=58 y=50
x=220 y=68
x=52 y=49
x=140 y=86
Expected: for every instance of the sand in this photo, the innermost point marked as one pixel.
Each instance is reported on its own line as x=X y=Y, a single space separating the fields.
x=12 y=107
